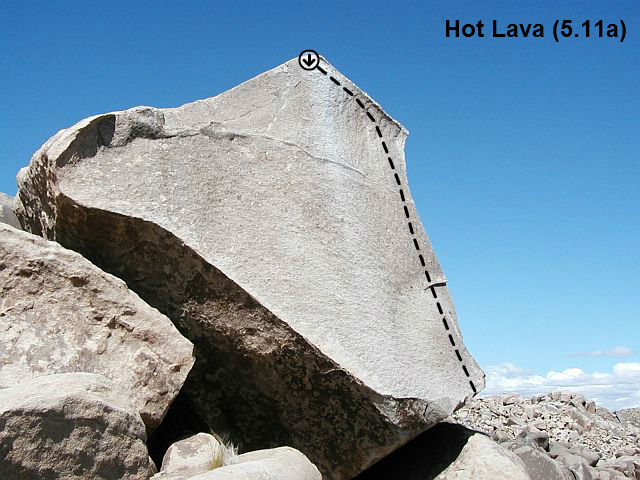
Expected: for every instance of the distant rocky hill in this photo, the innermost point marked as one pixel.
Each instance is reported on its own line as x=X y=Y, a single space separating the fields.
x=559 y=432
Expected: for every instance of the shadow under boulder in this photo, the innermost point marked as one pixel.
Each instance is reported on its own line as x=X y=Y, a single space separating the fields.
x=445 y=452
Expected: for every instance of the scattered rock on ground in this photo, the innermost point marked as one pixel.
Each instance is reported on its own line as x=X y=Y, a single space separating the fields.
x=70 y=426
x=278 y=232
x=59 y=313
x=587 y=439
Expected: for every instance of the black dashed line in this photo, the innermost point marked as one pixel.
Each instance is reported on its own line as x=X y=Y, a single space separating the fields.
x=411 y=229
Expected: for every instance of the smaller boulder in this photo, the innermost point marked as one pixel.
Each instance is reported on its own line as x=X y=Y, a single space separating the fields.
x=590 y=456
x=193 y=455
x=534 y=437
x=71 y=426
x=282 y=463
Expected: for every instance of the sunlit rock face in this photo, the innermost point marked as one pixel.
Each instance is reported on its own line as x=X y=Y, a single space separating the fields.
x=274 y=225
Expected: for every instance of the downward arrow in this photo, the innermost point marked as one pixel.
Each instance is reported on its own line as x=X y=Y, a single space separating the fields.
x=309 y=60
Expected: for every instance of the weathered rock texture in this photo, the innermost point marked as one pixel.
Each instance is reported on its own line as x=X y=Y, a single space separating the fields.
x=561 y=435
x=7 y=214
x=59 y=313
x=70 y=426
x=449 y=452
x=275 y=227
x=193 y=455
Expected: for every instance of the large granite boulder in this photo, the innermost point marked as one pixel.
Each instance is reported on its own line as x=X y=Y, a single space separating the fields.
x=59 y=313
x=7 y=213
x=274 y=224
x=71 y=426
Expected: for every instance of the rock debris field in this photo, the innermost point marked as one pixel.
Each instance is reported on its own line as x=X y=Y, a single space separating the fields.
x=241 y=288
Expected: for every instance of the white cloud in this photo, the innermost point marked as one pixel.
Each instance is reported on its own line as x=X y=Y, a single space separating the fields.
x=619 y=388
x=618 y=352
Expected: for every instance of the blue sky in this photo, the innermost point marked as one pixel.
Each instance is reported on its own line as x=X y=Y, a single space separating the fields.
x=523 y=153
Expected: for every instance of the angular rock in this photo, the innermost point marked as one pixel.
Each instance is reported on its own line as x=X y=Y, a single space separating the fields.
x=7 y=214
x=590 y=456
x=283 y=463
x=581 y=472
x=59 y=313
x=273 y=223
x=534 y=438
x=445 y=452
x=541 y=466
x=71 y=426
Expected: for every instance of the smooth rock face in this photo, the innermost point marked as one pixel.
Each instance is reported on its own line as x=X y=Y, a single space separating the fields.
x=70 y=426
x=7 y=214
x=448 y=451
x=272 y=225
x=59 y=313
x=283 y=463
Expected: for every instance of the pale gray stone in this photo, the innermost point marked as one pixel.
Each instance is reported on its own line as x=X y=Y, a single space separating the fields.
x=581 y=472
x=59 y=313
x=70 y=426
x=269 y=224
x=7 y=214
x=191 y=456
x=589 y=455
x=483 y=459
x=541 y=466
x=534 y=438
x=283 y=463
x=558 y=448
